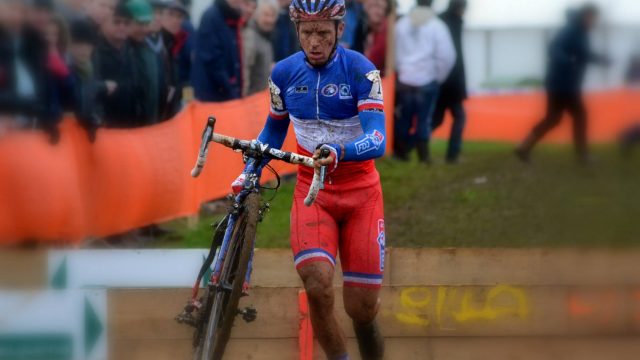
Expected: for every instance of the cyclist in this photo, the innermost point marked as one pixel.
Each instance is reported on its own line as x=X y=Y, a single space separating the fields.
x=333 y=97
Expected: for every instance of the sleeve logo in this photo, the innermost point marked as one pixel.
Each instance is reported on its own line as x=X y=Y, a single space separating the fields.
x=370 y=142
x=376 y=86
x=276 y=99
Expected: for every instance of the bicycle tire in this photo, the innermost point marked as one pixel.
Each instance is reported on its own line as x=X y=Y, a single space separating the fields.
x=225 y=304
x=203 y=315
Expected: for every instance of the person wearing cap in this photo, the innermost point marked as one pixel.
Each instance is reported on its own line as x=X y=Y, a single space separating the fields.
x=113 y=62
x=145 y=62
x=216 y=74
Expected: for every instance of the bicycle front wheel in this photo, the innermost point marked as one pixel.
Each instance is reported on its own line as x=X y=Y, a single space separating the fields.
x=227 y=296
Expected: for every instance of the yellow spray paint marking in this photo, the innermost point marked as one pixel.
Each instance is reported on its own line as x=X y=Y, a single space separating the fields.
x=491 y=310
x=414 y=299
x=500 y=301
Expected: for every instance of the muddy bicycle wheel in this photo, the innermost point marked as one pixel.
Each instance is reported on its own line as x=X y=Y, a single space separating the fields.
x=224 y=298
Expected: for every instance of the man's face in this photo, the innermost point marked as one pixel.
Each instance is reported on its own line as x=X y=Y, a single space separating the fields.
x=156 y=23
x=376 y=10
x=172 y=20
x=39 y=18
x=248 y=9
x=100 y=10
x=139 y=31
x=116 y=30
x=12 y=14
x=590 y=20
x=266 y=18
x=81 y=52
x=318 y=39
x=239 y=5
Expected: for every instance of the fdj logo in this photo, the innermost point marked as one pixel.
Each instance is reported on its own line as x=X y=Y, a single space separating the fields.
x=381 y=241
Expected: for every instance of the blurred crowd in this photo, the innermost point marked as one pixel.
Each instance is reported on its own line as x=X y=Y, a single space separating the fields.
x=125 y=63
x=112 y=63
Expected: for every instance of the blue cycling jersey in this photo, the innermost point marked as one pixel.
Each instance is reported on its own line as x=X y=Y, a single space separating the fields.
x=340 y=104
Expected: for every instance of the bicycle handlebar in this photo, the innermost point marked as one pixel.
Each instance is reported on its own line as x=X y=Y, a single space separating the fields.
x=243 y=145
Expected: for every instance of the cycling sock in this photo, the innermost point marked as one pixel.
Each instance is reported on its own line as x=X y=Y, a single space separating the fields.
x=370 y=340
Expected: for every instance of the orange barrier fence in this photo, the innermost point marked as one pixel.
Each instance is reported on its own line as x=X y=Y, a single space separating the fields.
x=128 y=178
x=135 y=177
x=509 y=117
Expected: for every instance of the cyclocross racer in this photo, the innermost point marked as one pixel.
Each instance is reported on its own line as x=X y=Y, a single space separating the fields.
x=333 y=97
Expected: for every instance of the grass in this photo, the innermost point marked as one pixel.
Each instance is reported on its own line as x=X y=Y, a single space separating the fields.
x=489 y=200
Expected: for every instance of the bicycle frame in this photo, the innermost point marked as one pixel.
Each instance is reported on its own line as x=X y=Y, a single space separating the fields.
x=252 y=184
x=256 y=153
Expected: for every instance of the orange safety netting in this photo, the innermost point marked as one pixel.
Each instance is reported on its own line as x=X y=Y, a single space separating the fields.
x=135 y=177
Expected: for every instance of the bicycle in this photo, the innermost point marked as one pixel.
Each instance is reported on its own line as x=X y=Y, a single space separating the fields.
x=232 y=246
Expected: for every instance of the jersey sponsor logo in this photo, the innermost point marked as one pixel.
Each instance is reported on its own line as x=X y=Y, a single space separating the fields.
x=276 y=99
x=376 y=87
x=329 y=90
x=370 y=142
x=381 y=242
x=302 y=89
x=345 y=92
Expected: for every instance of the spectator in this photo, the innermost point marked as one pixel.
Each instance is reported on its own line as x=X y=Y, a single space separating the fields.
x=163 y=58
x=284 y=39
x=174 y=39
x=88 y=92
x=99 y=11
x=632 y=75
x=113 y=62
x=258 y=52
x=248 y=8
x=145 y=62
x=217 y=67
x=57 y=37
x=454 y=90
x=352 y=19
x=569 y=54
x=70 y=9
x=185 y=56
x=425 y=55
x=371 y=33
x=25 y=82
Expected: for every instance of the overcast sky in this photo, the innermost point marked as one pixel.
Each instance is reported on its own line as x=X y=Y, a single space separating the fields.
x=527 y=13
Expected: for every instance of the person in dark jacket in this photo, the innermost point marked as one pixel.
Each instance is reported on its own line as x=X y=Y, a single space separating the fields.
x=113 y=63
x=216 y=74
x=569 y=55
x=284 y=39
x=88 y=92
x=453 y=92
x=25 y=81
x=174 y=39
x=145 y=62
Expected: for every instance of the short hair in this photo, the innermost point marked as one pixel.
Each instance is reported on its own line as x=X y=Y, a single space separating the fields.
x=267 y=3
x=424 y=2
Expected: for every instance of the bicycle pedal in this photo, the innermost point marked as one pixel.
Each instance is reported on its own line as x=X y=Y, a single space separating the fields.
x=249 y=314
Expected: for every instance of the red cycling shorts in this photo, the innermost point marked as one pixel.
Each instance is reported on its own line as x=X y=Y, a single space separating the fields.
x=347 y=218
